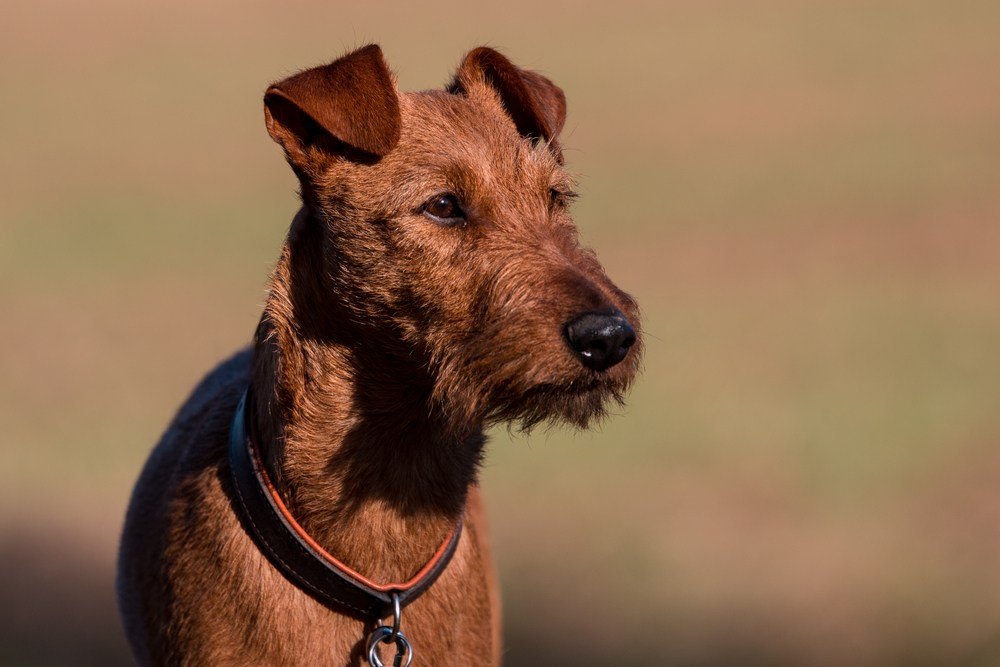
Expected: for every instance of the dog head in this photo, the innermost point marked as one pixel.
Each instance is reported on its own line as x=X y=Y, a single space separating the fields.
x=445 y=219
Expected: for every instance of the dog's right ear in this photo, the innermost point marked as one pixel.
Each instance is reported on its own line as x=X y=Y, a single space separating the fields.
x=535 y=104
x=349 y=104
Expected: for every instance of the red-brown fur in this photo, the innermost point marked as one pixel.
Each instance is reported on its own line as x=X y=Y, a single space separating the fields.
x=387 y=344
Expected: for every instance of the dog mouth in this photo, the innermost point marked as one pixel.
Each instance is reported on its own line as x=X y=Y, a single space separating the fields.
x=493 y=386
x=580 y=402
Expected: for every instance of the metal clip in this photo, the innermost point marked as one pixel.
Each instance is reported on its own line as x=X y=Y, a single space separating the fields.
x=385 y=635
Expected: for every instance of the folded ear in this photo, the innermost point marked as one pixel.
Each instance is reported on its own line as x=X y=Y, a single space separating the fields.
x=352 y=101
x=537 y=106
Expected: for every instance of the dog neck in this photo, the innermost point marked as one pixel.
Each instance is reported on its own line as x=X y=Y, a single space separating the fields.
x=347 y=429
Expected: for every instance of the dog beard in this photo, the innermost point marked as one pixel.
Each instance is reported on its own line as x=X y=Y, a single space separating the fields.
x=556 y=404
x=509 y=394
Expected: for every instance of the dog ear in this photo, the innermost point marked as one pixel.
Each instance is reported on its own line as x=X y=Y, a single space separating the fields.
x=537 y=106
x=352 y=101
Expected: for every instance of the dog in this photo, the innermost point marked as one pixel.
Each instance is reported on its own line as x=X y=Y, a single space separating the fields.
x=431 y=284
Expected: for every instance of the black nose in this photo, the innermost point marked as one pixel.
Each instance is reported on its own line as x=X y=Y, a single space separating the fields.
x=600 y=340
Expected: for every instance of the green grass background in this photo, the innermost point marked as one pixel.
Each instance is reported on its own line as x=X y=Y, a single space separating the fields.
x=803 y=196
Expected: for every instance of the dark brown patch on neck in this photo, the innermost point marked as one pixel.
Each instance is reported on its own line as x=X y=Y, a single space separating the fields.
x=365 y=461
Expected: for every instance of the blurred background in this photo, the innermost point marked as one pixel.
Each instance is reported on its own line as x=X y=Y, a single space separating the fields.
x=803 y=196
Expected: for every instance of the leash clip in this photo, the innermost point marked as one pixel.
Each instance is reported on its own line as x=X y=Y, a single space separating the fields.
x=383 y=634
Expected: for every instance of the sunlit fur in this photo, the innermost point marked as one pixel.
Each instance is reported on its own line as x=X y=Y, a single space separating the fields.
x=483 y=305
x=388 y=343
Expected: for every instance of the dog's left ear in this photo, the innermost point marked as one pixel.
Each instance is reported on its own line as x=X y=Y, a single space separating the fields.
x=537 y=106
x=325 y=111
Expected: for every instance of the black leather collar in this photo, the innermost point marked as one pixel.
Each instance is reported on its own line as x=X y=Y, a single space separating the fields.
x=298 y=556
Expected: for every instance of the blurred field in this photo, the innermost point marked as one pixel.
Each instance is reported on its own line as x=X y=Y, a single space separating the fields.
x=804 y=197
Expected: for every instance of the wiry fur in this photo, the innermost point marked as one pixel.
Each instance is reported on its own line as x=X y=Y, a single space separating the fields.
x=387 y=344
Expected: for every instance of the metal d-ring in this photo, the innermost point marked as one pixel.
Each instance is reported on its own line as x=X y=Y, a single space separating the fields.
x=397 y=614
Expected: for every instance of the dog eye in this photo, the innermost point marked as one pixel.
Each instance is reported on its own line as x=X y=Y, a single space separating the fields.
x=560 y=199
x=444 y=209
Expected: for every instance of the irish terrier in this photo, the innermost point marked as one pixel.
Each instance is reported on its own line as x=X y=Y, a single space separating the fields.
x=432 y=284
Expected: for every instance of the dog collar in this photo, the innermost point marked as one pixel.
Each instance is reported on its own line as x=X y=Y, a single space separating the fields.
x=298 y=557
